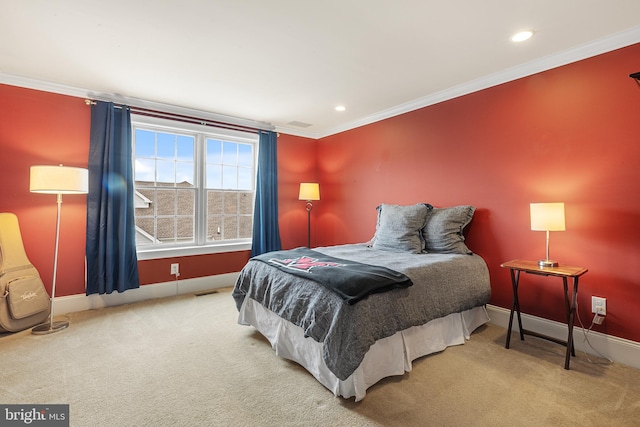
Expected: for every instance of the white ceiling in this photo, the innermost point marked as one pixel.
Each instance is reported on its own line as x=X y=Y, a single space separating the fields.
x=283 y=61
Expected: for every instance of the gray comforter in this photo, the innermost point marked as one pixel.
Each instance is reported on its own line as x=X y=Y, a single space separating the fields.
x=442 y=284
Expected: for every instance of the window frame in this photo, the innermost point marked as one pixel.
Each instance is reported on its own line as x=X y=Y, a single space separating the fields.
x=201 y=133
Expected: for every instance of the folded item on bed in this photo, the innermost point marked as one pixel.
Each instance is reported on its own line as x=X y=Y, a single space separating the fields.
x=351 y=280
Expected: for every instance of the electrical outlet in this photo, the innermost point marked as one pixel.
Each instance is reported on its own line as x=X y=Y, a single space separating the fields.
x=175 y=269
x=599 y=305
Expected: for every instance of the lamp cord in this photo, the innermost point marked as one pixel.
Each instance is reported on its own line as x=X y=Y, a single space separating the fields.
x=585 y=332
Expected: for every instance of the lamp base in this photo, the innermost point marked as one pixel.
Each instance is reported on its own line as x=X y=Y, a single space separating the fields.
x=49 y=328
x=547 y=263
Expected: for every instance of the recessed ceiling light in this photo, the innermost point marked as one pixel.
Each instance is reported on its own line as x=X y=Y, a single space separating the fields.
x=522 y=36
x=341 y=108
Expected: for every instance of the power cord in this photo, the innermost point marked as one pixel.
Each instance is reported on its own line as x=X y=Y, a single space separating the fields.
x=586 y=336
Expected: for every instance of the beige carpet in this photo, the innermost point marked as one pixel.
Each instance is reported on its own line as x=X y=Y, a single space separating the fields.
x=184 y=361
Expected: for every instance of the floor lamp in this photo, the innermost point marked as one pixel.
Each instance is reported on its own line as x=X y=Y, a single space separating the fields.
x=309 y=191
x=57 y=180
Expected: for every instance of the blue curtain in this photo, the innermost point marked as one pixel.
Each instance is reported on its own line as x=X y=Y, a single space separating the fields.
x=112 y=263
x=266 y=232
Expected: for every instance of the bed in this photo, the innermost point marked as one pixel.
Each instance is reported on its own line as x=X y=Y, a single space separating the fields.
x=350 y=344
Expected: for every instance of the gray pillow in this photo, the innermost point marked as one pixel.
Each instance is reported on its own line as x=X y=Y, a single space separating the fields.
x=399 y=228
x=443 y=229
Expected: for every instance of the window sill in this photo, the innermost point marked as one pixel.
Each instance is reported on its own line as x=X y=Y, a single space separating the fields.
x=158 y=253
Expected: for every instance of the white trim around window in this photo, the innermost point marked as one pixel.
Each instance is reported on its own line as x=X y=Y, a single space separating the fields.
x=200 y=245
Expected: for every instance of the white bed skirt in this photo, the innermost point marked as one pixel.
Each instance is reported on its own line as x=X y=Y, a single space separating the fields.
x=387 y=357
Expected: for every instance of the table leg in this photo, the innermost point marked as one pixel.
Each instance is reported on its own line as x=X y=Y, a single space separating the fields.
x=572 y=312
x=515 y=306
x=568 y=310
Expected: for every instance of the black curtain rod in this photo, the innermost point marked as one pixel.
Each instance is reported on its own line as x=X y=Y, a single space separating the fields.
x=182 y=118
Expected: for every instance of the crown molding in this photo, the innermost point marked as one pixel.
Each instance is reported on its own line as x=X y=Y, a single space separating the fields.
x=584 y=51
x=29 y=83
x=60 y=89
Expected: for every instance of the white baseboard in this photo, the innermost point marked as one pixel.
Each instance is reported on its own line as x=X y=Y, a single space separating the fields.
x=619 y=350
x=74 y=303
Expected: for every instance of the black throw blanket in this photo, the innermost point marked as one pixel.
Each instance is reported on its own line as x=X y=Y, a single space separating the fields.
x=351 y=280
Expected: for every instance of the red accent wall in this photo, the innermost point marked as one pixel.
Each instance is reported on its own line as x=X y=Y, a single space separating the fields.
x=570 y=134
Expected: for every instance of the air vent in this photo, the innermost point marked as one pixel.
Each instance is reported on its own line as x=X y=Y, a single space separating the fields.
x=299 y=124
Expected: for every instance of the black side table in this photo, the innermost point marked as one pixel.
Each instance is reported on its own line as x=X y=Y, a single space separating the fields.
x=564 y=271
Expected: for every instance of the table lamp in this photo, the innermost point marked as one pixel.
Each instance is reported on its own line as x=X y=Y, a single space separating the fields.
x=547 y=217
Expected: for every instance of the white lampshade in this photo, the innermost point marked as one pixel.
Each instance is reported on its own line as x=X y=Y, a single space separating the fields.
x=309 y=191
x=547 y=217
x=59 y=180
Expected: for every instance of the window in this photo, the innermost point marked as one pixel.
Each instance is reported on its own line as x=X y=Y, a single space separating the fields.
x=194 y=185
